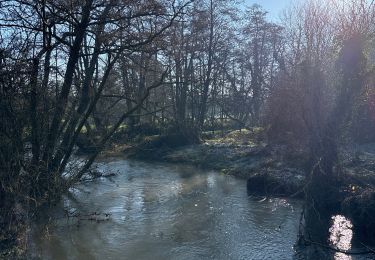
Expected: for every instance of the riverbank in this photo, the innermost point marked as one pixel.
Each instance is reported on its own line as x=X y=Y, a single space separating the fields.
x=270 y=169
x=277 y=170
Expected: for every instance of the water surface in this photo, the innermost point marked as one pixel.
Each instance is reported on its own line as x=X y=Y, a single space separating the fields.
x=161 y=211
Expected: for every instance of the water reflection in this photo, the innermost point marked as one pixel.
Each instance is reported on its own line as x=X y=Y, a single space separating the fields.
x=326 y=234
x=161 y=211
x=341 y=235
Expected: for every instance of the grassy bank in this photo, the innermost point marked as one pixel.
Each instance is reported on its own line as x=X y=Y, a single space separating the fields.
x=270 y=169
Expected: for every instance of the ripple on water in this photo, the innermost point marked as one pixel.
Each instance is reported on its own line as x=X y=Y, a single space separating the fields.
x=161 y=211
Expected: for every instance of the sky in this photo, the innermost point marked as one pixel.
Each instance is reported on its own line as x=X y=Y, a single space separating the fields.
x=274 y=7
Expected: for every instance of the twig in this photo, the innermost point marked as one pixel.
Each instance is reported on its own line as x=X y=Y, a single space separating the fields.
x=335 y=249
x=369 y=248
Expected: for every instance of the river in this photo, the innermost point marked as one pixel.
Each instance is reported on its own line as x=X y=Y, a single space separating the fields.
x=162 y=211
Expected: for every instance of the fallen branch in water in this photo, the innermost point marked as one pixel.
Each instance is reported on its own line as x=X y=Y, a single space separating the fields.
x=96 y=174
x=95 y=216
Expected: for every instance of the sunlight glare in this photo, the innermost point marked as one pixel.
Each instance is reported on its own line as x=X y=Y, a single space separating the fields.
x=341 y=235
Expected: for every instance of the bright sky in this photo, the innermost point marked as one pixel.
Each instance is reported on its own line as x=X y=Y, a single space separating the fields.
x=274 y=7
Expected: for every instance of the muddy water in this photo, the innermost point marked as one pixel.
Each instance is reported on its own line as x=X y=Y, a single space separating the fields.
x=159 y=211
